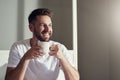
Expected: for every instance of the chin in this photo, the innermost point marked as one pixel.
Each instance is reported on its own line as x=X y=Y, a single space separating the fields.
x=46 y=39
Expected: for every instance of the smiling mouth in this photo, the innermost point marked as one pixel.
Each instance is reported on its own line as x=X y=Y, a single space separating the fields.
x=45 y=34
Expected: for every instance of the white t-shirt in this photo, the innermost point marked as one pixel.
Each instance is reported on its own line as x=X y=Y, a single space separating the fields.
x=44 y=68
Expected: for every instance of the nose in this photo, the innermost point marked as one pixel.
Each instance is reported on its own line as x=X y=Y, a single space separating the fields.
x=46 y=27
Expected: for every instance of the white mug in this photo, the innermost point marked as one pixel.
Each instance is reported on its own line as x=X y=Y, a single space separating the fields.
x=45 y=46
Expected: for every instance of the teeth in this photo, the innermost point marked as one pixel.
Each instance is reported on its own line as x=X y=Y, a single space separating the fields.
x=46 y=34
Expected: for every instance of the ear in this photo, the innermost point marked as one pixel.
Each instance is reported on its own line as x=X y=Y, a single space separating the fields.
x=31 y=27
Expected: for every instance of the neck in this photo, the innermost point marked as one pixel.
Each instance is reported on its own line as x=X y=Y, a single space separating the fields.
x=33 y=41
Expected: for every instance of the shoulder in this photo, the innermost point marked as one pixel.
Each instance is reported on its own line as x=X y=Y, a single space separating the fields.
x=20 y=43
x=26 y=41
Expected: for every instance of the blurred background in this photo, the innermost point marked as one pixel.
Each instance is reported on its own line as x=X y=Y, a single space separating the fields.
x=14 y=20
x=98 y=31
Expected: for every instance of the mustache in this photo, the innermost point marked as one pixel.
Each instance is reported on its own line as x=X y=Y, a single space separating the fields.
x=46 y=32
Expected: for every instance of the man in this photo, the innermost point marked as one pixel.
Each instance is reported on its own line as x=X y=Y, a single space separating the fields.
x=27 y=61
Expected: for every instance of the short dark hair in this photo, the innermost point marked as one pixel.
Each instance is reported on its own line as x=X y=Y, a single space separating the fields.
x=39 y=12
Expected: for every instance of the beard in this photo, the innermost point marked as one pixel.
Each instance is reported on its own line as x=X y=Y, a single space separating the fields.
x=37 y=34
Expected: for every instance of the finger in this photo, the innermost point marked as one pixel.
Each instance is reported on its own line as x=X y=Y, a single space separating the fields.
x=52 y=53
x=39 y=52
x=36 y=55
x=54 y=48
x=37 y=48
x=57 y=47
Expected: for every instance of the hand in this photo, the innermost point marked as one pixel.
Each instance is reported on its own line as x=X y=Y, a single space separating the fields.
x=35 y=51
x=56 y=51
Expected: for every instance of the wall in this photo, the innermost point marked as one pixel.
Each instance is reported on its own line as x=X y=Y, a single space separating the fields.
x=93 y=40
x=99 y=39
x=114 y=39
x=8 y=23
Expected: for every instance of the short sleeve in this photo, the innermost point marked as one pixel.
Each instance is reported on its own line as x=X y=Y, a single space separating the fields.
x=68 y=55
x=14 y=57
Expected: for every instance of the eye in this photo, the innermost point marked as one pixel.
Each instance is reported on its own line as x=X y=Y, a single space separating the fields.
x=45 y=25
x=41 y=24
x=50 y=25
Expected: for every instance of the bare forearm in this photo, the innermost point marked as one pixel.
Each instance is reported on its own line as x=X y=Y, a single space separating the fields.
x=19 y=72
x=70 y=72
